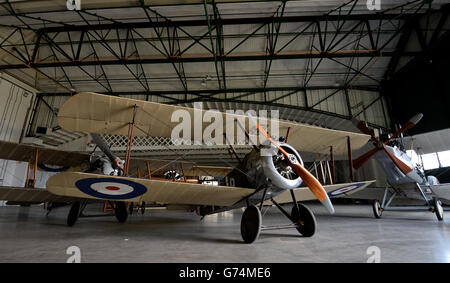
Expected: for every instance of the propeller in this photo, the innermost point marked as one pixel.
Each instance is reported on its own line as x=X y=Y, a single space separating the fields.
x=360 y=161
x=98 y=140
x=309 y=180
x=408 y=125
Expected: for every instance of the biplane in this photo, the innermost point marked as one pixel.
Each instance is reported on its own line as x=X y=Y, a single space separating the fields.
x=43 y=162
x=258 y=178
x=406 y=181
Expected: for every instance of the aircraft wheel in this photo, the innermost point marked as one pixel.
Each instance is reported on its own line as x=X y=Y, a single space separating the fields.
x=73 y=214
x=305 y=219
x=121 y=211
x=251 y=224
x=438 y=209
x=377 y=211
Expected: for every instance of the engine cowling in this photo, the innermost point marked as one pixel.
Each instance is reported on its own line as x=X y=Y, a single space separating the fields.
x=277 y=170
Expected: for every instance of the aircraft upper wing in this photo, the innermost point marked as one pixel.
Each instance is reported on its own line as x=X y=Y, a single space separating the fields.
x=334 y=191
x=31 y=195
x=94 y=186
x=104 y=114
x=24 y=152
x=442 y=191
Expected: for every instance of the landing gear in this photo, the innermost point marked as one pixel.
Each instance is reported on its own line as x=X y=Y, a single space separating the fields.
x=305 y=220
x=131 y=208
x=377 y=210
x=74 y=213
x=438 y=210
x=121 y=211
x=301 y=218
x=432 y=204
x=143 y=208
x=77 y=208
x=251 y=224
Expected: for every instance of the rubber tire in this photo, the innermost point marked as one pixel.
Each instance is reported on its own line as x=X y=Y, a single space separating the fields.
x=438 y=210
x=376 y=207
x=251 y=224
x=121 y=211
x=306 y=220
x=74 y=212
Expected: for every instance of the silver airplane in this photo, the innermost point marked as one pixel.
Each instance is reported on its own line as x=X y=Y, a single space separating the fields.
x=406 y=181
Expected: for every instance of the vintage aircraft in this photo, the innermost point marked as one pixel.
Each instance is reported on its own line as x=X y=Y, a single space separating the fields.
x=405 y=180
x=43 y=162
x=256 y=180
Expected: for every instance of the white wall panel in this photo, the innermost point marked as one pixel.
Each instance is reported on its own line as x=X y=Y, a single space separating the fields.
x=15 y=104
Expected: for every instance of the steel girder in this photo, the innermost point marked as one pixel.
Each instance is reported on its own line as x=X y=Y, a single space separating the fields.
x=335 y=31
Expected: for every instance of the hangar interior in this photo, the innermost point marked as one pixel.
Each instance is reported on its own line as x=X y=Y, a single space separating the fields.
x=321 y=63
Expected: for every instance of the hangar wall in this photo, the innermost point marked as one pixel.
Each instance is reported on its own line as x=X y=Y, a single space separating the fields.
x=16 y=102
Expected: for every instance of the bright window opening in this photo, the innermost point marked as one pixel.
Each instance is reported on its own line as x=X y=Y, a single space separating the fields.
x=430 y=161
x=444 y=158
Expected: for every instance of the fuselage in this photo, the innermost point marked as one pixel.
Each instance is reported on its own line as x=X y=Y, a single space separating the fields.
x=393 y=173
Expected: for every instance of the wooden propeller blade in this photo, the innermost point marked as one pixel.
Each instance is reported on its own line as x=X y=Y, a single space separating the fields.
x=360 y=161
x=408 y=125
x=310 y=181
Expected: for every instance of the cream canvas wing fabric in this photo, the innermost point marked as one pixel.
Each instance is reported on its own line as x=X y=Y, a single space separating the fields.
x=31 y=195
x=442 y=191
x=24 y=152
x=64 y=184
x=103 y=114
x=336 y=190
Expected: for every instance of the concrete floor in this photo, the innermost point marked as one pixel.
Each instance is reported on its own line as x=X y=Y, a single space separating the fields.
x=27 y=235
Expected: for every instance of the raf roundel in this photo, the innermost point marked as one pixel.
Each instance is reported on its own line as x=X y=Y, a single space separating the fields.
x=344 y=190
x=111 y=188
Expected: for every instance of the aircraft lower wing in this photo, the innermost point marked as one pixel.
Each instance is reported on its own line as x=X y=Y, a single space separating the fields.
x=24 y=195
x=334 y=191
x=27 y=153
x=441 y=191
x=93 y=186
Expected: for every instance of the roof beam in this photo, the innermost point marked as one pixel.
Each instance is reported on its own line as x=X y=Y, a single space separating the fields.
x=230 y=90
x=206 y=58
x=229 y=21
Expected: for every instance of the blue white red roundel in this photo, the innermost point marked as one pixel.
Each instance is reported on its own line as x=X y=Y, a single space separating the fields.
x=110 y=188
x=344 y=190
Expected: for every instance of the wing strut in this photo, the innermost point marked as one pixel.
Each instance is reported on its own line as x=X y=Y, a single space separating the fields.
x=130 y=140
